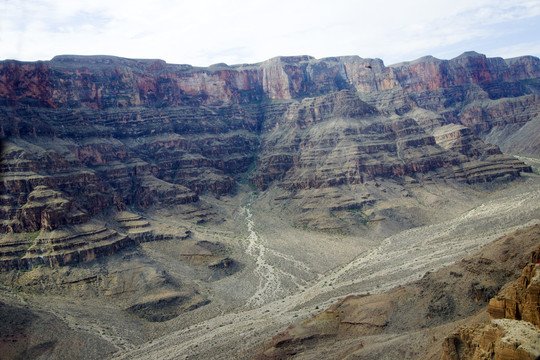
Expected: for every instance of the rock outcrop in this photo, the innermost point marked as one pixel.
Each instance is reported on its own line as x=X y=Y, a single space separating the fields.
x=521 y=299
x=80 y=243
x=72 y=245
x=413 y=320
x=502 y=339
x=514 y=329
x=82 y=134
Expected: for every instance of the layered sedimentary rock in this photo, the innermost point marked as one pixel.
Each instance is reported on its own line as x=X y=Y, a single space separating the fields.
x=493 y=163
x=339 y=139
x=514 y=329
x=521 y=299
x=326 y=153
x=76 y=244
x=96 y=149
x=109 y=82
x=502 y=339
x=68 y=80
x=82 y=134
x=342 y=140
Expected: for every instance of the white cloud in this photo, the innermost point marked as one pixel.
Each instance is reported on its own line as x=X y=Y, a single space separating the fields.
x=209 y=31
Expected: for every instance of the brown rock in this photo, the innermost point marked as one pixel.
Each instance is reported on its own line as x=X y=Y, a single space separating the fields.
x=521 y=299
x=106 y=131
x=502 y=339
x=407 y=319
x=514 y=331
x=73 y=245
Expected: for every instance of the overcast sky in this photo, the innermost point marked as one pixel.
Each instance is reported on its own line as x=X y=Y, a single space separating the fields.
x=204 y=32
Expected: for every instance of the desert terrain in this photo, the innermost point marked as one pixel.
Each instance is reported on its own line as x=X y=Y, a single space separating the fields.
x=160 y=211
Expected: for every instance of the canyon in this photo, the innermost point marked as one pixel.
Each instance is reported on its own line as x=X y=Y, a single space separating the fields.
x=156 y=210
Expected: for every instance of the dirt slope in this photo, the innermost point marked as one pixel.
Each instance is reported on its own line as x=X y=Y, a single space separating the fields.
x=411 y=321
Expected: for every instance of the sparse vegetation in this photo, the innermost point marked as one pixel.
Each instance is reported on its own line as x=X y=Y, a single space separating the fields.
x=345 y=252
x=31 y=236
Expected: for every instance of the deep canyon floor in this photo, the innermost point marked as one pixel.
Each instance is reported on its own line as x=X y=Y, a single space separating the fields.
x=287 y=273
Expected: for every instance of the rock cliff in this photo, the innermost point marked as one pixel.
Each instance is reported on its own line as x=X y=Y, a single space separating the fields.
x=82 y=134
x=521 y=299
x=413 y=321
x=119 y=175
x=514 y=329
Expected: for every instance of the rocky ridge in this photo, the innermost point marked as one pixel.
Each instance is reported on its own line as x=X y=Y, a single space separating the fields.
x=296 y=122
x=513 y=331
x=97 y=151
x=371 y=326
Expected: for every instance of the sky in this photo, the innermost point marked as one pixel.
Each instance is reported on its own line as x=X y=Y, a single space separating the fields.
x=205 y=32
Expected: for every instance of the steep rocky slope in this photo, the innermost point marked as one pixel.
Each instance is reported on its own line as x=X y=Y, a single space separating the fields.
x=143 y=132
x=412 y=321
x=137 y=131
x=514 y=329
x=127 y=183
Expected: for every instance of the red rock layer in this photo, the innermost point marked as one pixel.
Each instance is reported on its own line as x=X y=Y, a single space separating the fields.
x=105 y=131
x=66 y=80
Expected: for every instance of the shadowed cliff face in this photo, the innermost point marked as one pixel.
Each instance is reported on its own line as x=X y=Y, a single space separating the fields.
x=95 y=132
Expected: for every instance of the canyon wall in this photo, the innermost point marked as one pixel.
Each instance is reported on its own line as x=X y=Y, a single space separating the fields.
x=81 y=134
x=104 y=81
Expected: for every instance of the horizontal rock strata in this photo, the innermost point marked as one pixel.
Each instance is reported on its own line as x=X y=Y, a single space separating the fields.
x=81 y=243
x=89 y=133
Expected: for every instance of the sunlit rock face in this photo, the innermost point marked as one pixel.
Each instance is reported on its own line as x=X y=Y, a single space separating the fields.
x=514 y=325
x=457 y=294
